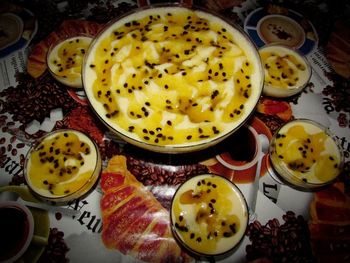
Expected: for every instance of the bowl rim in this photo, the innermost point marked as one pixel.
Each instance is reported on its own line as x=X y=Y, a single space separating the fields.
x=245 y=226
x=176 y=148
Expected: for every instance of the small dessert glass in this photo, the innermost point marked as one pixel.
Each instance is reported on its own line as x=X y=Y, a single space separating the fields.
x=209 y=216
x=286 y=71
x=305 y=155
x=65 y=59
x=62 y=166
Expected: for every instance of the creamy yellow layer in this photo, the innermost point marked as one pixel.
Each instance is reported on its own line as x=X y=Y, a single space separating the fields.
x=61 y=164
x=209 y=215
x=307 y=153
x=172 y=76
x=66 y=58
x=284 y=68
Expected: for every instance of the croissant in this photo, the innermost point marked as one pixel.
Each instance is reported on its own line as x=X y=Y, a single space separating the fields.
x=338 y=48
x=330 y=224
x=134 y=222
x=331 y=206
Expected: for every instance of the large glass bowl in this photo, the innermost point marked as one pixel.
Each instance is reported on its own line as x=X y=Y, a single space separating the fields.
x=172 y=79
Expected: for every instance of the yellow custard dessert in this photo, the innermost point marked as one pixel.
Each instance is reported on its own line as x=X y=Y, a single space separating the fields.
x=305 y=154
x=65 y=60
x=209 y=215
x=170 y=76
x=286 y=71
x=64 y=163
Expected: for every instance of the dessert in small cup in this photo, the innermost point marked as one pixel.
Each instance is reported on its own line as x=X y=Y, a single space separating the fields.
x=286 y=71
x=209 y=216
x=65 y=59
x=305 y=155
x=62 y=166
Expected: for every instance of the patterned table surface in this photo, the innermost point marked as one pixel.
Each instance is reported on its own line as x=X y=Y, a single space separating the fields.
x=24 y=101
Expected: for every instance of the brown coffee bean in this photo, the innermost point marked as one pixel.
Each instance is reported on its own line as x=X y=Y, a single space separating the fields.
x=154 y=177
x=22 y=159
x=13 y=139
x=34 y=99
x=3 y=118
x=267 y=231
x=2 y=150
x=257 y=225
x=9 y=147
x=288 y=242
x=14 y=152
x=20 y=145
x=158 y=174
x=56 y=249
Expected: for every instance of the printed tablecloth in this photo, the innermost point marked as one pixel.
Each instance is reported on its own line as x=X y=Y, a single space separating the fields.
x=29 y=108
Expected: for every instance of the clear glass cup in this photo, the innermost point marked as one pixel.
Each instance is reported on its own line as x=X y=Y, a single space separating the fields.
x=305 y=155
x=286 y=71
x=209 y=216
x=62 y=166
x=65 y=59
